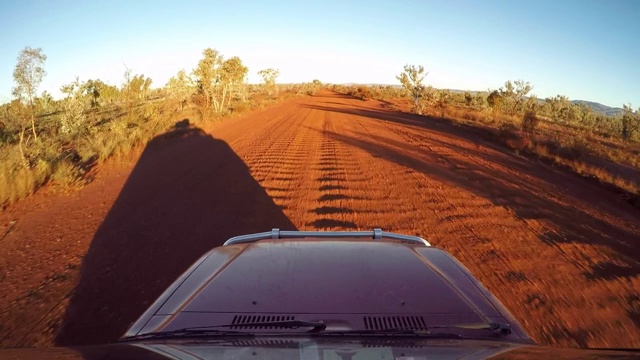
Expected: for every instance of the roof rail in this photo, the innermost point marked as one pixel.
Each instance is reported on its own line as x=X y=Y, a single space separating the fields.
x=275 y=233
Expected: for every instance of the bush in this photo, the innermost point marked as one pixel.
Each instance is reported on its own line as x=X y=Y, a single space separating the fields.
x=529 y=122
x=240 y=107
x=361 y=92
x=507 y=131
x=68 y=174
x=16 y=180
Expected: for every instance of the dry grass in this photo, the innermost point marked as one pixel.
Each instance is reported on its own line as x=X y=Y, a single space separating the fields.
x=16 y=181
x=595 y=151
x=577 y=151
x=581 y=150
x=65 y=161
x=570 y=157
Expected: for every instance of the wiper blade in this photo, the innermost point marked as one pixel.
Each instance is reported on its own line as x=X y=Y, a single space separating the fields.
x=496 y=327
x=285 y=324
x=213 y=331
x=428 y=331
x=186 y=332
x=392 y=333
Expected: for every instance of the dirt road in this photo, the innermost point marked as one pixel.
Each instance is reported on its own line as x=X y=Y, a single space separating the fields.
x=559 y=251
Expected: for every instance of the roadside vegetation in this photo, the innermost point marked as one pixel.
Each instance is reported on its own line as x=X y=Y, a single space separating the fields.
x=43 y=140
x=568 y=134
x=59 y=142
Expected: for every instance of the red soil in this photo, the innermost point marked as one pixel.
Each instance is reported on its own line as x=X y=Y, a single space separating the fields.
x=561 y=252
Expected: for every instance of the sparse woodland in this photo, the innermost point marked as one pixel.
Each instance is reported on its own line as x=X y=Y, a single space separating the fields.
x=43 y=140
x=567 y=134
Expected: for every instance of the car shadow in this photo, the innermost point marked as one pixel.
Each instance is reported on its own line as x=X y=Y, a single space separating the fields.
x=187 y=194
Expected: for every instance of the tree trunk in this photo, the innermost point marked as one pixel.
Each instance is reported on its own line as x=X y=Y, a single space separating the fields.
x=24 y=158
x=224 y=95
x=33 y=127
x=33 y=121
x=231 y=92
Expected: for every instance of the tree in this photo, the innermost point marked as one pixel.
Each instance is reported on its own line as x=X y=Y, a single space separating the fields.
x=411 y=79
x=232 y=77
x=92 y=89
x=180 y=87
x=45 y=101
x=28 y=75
x=134 y=88
x=206 y=75
x=587 y=115
x=630 y=122
x=468 y=98
x=444 y=98
x=73 y=106
x=530 y=121
x=269 y=77
x=514 y=93
x=558 y=106
x=107 y=93
x=495 y=100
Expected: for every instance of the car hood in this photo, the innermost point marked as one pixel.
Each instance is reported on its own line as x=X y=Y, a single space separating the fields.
x=349 y=284
x=313 y=348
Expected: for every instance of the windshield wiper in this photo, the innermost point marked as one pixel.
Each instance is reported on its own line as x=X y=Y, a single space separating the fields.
x=391 y=333
x=318 y=327
x=186 y=332
x=427 y=331
x=495 y=327
x=212 y=331
x=286 y=324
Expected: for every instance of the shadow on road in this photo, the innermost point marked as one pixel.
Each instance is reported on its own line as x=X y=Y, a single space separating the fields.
x=187 y=194
x=528 y=201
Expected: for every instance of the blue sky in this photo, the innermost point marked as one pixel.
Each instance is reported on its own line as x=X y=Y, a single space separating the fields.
x=580 y=48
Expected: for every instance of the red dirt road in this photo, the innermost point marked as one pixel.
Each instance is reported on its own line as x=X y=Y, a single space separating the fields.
x=559 y=251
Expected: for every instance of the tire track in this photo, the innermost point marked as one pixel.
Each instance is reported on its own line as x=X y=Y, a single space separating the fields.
x=561 y=254
x=564 y=262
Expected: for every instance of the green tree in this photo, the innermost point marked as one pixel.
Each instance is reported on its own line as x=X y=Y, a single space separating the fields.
x=92 y=89
x=558 y=107
x=207 y=80
x=514 y=93
x=45 y=102
x=495 y=100
x=411 y=79
x=180 y=87
x=232 y=78
x=73 y=107
x=107 y=93
x=468 y=98
x=630 y=122
x=28 y=75
x=134 y=88
x=269 y=77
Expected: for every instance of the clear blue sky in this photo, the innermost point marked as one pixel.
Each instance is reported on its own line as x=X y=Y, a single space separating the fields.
x=580 y=48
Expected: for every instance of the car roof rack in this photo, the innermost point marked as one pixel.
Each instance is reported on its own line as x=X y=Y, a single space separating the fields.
x=376 y=234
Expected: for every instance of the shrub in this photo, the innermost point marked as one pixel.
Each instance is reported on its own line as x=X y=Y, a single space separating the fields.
x=507 y=131
x=361 y=92
x=16 y=180
x=529 y=122
x=67 y=174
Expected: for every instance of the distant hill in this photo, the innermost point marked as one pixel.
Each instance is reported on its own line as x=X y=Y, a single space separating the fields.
x=599 y=108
